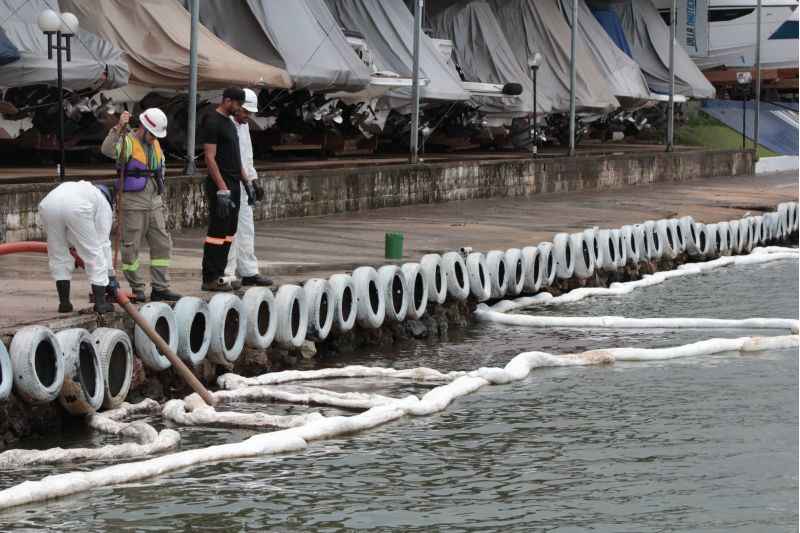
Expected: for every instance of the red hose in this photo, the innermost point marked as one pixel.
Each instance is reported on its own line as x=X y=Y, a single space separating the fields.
x=39 y=247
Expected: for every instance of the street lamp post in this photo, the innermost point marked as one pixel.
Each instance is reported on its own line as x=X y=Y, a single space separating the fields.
x=534 y=63
x=61 y=26
x=744 y=79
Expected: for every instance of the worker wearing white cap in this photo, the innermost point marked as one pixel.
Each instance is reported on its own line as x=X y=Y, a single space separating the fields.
x=140 y=162
x=242 y=263
x=78 y=214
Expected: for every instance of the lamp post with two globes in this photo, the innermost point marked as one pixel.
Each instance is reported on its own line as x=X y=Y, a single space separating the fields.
x=61 y=26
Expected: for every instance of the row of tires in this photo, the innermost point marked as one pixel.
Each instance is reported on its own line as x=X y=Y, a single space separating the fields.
x=85 y=371
x=100 y=364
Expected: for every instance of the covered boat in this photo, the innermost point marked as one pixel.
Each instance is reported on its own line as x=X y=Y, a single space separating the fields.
x=484 y=55
x=646 y=35
x=8 y=52
x=539 y=26
x=95 y=62
x=154 y=34
x=621 y=72
x=301 y=36
x=388 y=28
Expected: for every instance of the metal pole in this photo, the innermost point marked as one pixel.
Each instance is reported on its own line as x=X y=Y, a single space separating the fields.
x=673 y=15
x=418 y=7
x=191 y=123
x=572 y=78
x=758 y=77
x=60 y=108
x=535 y=148
x=744 y=120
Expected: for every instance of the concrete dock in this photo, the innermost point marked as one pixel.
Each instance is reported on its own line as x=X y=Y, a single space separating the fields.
x=292 y=250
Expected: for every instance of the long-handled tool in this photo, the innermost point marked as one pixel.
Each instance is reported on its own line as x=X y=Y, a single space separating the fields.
x=163 y=347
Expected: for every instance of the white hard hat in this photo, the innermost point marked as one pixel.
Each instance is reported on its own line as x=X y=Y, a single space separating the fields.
x=155 y=121
x=250 y=101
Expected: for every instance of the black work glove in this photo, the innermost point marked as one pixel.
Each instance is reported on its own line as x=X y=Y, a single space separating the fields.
x=251 y=193
x=259 y=191
x=160 y=182
x=225 y=205
x=112 y=288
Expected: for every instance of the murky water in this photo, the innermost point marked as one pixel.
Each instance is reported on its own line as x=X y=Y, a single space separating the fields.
x=704 y=444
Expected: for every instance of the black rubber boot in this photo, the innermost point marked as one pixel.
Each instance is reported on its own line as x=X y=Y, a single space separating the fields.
x=100 y=304
x=64 y=305
x=139 y=296
x=164 y=295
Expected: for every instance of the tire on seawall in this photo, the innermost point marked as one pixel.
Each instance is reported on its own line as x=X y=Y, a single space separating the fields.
x=37 y=361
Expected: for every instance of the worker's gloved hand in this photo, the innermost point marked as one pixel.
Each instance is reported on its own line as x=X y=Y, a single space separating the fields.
x=251 y=193
x=259 y=191
x=225 y=204
x=112 y=289
x=160 y=182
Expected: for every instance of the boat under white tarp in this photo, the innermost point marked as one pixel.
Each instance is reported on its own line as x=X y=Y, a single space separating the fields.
x=301 y=36
x=155 y=34
x=647 y=36
x=95 y=62
x=388 y=28
x=621 y=72
x=484 y=55
x=539 y=26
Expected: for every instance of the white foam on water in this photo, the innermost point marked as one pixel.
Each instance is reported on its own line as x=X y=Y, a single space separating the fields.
x=758 y=255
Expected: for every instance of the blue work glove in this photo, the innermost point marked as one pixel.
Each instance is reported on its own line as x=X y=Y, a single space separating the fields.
x=112 y=288
x=225 y=204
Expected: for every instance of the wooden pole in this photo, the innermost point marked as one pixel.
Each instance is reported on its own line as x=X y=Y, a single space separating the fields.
x=163 y=348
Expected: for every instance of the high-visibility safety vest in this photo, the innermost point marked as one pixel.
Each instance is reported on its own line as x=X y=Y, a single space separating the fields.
x=140 y=164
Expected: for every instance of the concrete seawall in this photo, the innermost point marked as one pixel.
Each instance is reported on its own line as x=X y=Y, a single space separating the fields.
x=322 y=192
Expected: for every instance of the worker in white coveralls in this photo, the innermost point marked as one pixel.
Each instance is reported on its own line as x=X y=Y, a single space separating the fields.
x=242 y=262
x=79 y=214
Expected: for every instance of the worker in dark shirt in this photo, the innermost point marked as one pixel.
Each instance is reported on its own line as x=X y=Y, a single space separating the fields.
x=225 y=177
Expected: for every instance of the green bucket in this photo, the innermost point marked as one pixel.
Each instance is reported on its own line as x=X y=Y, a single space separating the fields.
x=394 y=245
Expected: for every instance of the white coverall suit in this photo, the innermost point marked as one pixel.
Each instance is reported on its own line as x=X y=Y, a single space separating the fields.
x=77 y=214
x=242 y=260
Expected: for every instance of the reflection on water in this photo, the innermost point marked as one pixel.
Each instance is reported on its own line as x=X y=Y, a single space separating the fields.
x=694 y=444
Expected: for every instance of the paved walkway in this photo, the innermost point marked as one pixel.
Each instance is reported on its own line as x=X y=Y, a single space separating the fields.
x=297 y=249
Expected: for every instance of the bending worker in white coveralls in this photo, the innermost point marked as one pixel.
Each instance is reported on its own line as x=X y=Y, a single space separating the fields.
x=80 y=214
x=242 y=260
